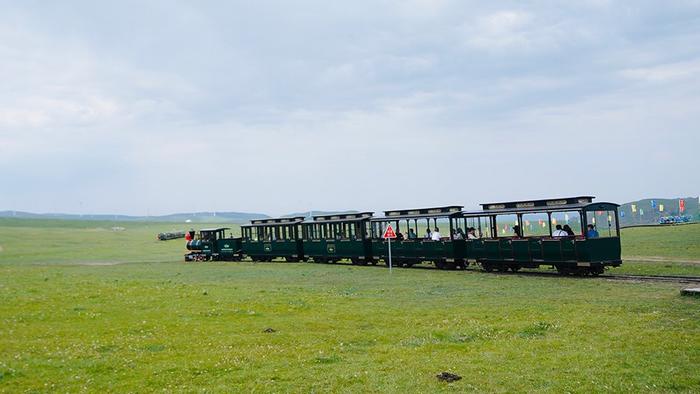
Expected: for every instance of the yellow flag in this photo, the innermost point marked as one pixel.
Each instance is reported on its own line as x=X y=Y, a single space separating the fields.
x=661 y=207
x=634 y=208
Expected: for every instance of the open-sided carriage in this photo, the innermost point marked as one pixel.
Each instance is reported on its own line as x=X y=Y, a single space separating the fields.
x=331 y=238
x=267 y=239
x=415 y=245
x=535 y=241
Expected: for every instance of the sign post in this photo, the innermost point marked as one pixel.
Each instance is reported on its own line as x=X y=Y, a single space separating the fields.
x=388 y=235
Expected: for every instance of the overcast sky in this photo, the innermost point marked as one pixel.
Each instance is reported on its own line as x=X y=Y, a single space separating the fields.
x=278 y=106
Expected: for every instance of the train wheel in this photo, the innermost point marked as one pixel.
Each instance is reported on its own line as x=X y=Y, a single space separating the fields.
x=488 y=267
x=563 y=270
x=595 y=271
x=515 y=267
x=502 y=268
x=583 y=271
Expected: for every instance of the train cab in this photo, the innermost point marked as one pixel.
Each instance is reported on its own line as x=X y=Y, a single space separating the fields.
x=574 y=235
x=424 y=234
x=214 y=244
x=267 y=239
x=331 y=238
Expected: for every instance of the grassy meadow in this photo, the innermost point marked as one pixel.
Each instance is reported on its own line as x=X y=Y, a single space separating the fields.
x=85 y=308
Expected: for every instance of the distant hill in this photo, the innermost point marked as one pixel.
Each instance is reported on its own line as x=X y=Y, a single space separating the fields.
x=310 y=214
x=194 y=217
x=645 y=213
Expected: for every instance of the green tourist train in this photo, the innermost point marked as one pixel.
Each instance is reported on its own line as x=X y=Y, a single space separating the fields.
x=575 y=235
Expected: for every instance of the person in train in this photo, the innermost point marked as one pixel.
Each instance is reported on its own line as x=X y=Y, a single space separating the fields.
x=592 y=232
x=412 y=234
x=559 y=232
x=569 y=231
x=517 y=232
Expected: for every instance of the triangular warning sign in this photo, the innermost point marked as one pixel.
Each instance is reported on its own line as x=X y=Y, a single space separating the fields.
x=389 y=233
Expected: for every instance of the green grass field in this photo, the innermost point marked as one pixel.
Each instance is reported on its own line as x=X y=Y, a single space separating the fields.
x=85 y=308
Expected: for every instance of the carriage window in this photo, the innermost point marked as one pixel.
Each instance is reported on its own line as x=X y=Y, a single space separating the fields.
x=356 y=230
x=505 y=224
x=481 y=225
x=604 y=224
x=535 y=225
x=568 y=218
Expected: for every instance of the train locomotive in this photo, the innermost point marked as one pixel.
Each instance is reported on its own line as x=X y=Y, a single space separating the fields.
x=504 y=236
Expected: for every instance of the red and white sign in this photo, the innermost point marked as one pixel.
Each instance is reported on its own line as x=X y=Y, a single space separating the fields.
x=389 y=233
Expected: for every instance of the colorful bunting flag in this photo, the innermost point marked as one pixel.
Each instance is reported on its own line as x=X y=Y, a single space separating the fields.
x=661 y=207
x=681 y=206
x=641 y=212
x=622 y=213
x=653 y=203
x=634 y=208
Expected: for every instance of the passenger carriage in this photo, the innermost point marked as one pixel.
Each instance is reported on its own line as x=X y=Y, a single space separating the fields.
x=444 y=253
x=331 y=238
x=267 y=239
x=499 y=248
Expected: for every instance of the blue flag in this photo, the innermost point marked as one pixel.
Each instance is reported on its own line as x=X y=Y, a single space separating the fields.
x=622 y=214
x=653 y=204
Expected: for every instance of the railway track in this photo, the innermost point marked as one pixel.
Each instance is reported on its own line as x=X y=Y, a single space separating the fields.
x=620 y=277
x=654 y=278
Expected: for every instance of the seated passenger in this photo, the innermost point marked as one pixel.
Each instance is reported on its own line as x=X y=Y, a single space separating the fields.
x=592 y=232
x=559 y=232
x=517 y=232
x=428 y=234
x=412 y=234
x=569 y=232
x=436 y=235
x=471 y=233
x=459 y=234
x=399 y=236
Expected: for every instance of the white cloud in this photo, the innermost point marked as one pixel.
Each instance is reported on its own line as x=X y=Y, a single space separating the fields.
x=665 y=72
